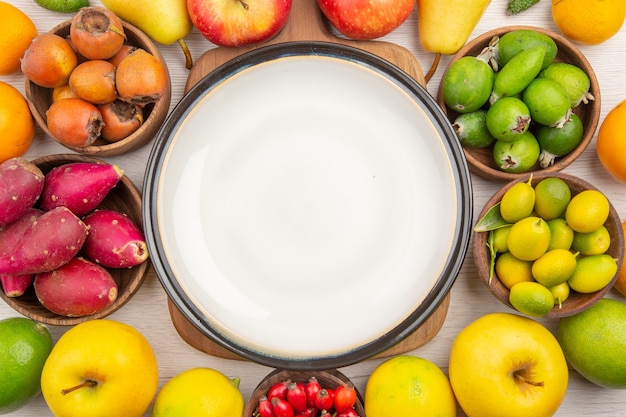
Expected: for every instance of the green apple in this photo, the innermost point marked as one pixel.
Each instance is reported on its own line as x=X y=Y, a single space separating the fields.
x=505 y=364
x=100 y=368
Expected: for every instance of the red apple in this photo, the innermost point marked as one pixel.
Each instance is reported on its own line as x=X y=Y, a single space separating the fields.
x=366 y=19
x=235 y=23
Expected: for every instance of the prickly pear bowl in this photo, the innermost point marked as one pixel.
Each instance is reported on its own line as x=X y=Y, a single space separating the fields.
x=481 y=159
x=40 y=100
x=576 y=302
x=124 y=198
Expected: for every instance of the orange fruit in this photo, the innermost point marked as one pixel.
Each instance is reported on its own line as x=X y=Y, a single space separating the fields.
x=16 y=35
x=17 y=127
x=589 y=21
x=611 y=142
x=620 y=283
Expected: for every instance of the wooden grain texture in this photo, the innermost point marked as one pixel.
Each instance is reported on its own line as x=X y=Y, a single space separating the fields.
x=469 y=298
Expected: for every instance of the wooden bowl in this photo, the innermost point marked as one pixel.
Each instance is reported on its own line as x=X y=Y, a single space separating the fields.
x=480 y=160
x=40 y=99
x=328 y=379
x=125 y=198
x=576 y=302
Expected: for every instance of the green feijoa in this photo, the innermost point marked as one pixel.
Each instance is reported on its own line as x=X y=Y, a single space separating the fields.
x=63 y=6
x=508 y=118
x=558 y=141
x=547 y=101
x=516 y=41
x=517 y=156
x=575 y=81
x=471 y=129
x=513 y=78
x=467 y=84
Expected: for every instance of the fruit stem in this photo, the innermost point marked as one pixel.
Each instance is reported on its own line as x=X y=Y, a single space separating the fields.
x=87 y=383
x=433 y=67
x=188 y=58
x=244 y=4
x=520 y=378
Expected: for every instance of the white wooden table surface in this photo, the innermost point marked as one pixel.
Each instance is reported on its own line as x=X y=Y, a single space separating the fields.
x=470 y=299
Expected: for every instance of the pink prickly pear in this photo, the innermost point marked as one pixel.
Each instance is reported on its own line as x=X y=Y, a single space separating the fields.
x=79 y=186
x=21 y=184
x=114 y=240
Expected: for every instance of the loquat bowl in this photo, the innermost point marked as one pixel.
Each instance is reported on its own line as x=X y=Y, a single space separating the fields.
x=331 y=378
x=40 y=99
x=125 y=198
x=481 y=160
x=576 y=302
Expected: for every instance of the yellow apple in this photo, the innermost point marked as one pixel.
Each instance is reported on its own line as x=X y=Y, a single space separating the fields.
x=100 y=368
x=505 y=364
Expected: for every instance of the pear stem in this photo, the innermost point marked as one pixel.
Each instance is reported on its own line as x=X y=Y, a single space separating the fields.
x=188 y=58
x=87 y=383
x=433 y=67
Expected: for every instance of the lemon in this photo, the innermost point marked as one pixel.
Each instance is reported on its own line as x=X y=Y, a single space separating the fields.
x=199 y=391
x=408 y=385
x=511 y=270
x=561 y=235
x=531 y=298
x=24 y=348
x=587 y=211
x=517 y=202
x=560 y=293
x=552 y=195
x=594 y=342
x=592 y=243
x=554 y=267
x=529 y=238
x=593 y=273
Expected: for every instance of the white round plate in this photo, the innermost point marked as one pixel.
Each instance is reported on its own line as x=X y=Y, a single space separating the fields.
x=307 y=205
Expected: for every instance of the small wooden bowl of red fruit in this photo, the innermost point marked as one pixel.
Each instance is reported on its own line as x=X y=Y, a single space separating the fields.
x=312 y=393
x=96 y=84
x=80 y=254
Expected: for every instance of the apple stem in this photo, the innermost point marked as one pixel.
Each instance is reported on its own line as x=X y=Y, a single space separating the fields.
x=244 y=4
x=524 y=380
x=433 y=67
x=87 y=383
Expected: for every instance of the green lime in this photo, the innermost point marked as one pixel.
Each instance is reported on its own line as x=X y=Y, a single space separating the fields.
x=558 y=141
x=24 y=348
x=592 y=243
x=594 y=342
x=560 y=293
x=529 y=238
x=552 y=195
x=467 y=84
x=572 y=78
x=511 y=270
x=517 y=202
x=561 y=235
x=547 y=102
x=508 y=118
x=517 y=156
x=593 y=273
x=554 y=267
x=587 y=211
x=531 y=298
x=471 y=129
x=500 y=236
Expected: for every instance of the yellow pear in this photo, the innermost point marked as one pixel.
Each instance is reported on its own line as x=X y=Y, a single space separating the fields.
x=445 y=25
x=165 y=21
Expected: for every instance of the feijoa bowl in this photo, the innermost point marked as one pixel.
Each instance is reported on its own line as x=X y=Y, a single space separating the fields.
x=481 y=160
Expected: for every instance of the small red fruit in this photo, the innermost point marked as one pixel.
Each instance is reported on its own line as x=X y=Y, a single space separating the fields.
x=324 y=399
x=312 y=388
x=265 y=407
x=278 y=390
x=345 y=397
x=281 y=408
x=296 y=395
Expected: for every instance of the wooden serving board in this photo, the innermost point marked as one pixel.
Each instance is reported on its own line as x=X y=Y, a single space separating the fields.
x=307 y=23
